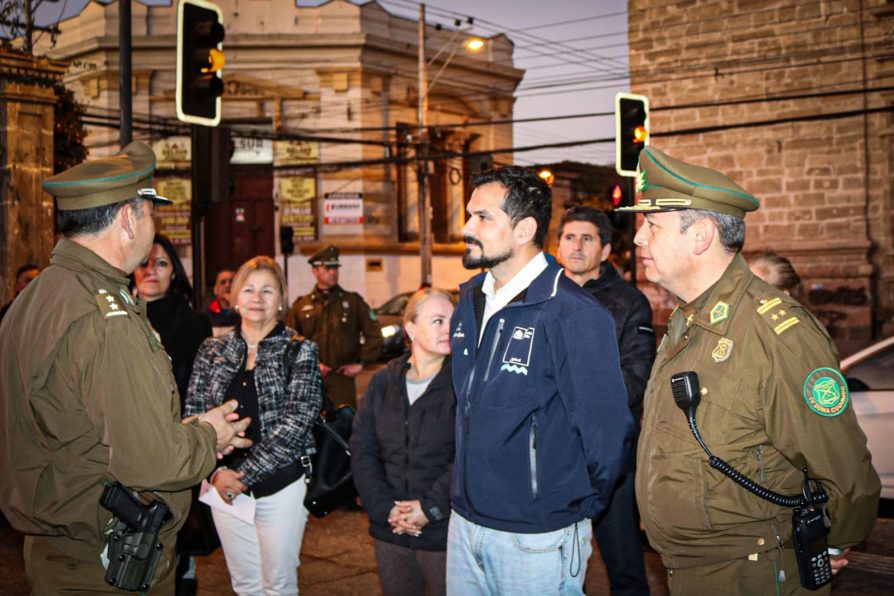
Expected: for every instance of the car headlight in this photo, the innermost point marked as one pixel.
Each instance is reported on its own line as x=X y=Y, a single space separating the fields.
x=390 y=330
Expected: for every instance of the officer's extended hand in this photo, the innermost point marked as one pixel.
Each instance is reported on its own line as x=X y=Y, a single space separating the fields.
x=229 y=428
x=350 y=370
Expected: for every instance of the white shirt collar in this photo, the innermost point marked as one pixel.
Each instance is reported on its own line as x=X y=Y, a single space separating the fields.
x=497 y=299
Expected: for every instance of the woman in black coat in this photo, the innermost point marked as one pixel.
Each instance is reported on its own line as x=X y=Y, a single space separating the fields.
x=402 y=452
x=161 y=281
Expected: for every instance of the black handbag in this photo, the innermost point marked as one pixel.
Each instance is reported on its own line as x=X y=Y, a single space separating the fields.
x=330 y=482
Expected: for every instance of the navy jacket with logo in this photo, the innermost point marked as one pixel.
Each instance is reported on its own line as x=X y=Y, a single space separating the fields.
x=542 y=423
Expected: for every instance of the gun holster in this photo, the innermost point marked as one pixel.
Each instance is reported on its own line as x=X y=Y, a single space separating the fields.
x=133 y=546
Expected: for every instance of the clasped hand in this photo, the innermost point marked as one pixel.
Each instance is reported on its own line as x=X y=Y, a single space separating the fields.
x=230 y=429
x=406 y=517
x=228 y=484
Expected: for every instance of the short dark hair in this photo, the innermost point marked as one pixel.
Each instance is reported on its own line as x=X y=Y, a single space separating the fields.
x=527 y=195
x=93 y=219
x=26 y=268
x=730 y=228
x=180 y=282
x=595 y=216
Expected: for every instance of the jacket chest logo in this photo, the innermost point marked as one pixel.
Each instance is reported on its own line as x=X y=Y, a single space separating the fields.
x=517 y=357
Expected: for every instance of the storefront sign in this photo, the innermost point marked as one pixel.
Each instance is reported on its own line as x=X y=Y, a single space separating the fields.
x=174 y=220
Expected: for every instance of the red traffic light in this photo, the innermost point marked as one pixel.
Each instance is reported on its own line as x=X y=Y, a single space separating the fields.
x=617 y=195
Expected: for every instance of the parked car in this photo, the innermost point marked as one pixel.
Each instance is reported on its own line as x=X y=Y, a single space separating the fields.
x=391 y=319
x=870 y=379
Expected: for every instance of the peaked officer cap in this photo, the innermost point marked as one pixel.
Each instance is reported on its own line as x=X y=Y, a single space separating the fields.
x=325 y=256
x=668 y=184
x=106 y=181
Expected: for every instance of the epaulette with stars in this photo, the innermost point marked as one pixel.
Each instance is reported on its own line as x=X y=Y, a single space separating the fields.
x=777 y=314
x=109 y=304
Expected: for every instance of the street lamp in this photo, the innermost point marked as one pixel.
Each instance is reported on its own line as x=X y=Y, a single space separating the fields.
x=424 y=204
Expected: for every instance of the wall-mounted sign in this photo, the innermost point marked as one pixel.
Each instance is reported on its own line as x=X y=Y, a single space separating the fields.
x=174 y=220
x=252 y=151
x=173 y=153
x=295 y=153
x=297 y=198
x=343 y=208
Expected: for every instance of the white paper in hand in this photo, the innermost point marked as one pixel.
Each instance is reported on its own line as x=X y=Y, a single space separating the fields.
x=243 y=506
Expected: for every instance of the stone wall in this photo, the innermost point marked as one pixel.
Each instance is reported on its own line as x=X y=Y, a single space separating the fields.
x=27 y=101
x=787 y=99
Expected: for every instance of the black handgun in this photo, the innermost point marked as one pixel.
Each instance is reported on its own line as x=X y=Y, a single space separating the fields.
x=133 y=546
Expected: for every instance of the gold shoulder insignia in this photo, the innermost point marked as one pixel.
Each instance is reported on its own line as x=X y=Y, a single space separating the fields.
x=109 y=305
x=776 y=313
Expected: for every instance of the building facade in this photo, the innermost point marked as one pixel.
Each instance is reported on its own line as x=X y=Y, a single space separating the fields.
x=322 y=106
x=793 y=101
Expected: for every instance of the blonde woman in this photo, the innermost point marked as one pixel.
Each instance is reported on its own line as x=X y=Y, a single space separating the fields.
x=247 y=364
x=402 y=452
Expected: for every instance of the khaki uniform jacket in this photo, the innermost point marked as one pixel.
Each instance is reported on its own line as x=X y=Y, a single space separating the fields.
x=757 y=353
x=335 y=322
x=88 y=396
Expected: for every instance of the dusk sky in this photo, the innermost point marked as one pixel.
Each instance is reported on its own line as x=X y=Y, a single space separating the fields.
x=574 y=53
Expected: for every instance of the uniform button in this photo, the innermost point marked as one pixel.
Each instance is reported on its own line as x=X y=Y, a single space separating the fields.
x=760 y=541
x=670 y=572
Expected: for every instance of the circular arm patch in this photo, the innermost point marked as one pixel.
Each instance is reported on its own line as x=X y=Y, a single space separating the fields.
x=825 y=392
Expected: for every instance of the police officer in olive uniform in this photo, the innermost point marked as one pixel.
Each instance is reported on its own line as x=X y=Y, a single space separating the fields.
x=341 y=323
x=773 y=400
x=88 y=395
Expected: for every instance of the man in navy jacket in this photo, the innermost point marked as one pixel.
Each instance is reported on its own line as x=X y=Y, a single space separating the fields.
x=543 y=428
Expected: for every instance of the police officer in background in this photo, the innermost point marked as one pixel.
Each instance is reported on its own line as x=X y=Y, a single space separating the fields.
x=341 y=323
x=772 y=400
x=585 y=235
x=88 y=395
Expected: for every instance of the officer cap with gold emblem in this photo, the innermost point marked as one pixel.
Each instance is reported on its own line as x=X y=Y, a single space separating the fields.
x=325 y=256
x=106 y=181
x=668 y=184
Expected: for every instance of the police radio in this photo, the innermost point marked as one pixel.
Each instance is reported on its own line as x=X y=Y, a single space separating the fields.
x=809 y=530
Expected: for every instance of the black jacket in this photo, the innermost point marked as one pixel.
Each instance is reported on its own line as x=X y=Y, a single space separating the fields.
x=633 y=327
x=182 y=331
x=403 y=452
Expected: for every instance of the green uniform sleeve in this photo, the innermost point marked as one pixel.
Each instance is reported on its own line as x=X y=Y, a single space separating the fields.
x=130 y=388
x=825 y=438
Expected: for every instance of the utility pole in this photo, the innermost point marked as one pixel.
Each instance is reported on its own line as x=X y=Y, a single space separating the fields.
x=425 y=239
x=124 y=71
x=29 y=28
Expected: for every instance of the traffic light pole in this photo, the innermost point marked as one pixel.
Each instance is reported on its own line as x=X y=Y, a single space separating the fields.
x=630 y=192
x=196 y=216
x=125 y=96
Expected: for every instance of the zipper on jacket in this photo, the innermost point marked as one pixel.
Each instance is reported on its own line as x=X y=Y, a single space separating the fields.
x=759 y=453
x=532 y=453
x=493 y=349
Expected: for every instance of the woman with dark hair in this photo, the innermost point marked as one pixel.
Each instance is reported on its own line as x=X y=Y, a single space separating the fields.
x=402 y=450
x=162 y=282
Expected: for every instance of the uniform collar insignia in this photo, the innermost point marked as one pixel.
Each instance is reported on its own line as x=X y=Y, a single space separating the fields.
x=720 y=312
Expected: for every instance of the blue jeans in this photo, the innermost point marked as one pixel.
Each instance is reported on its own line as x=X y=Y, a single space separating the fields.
x=485 y=561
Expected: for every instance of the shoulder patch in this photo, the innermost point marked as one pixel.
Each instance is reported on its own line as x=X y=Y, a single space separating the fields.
x=109 y=305
x=825 y=392
x=777 y=314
